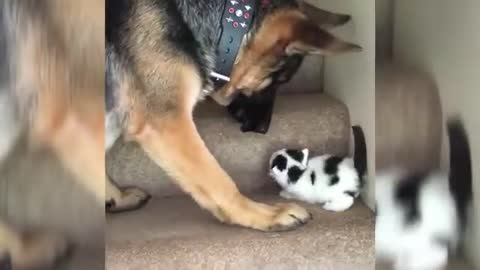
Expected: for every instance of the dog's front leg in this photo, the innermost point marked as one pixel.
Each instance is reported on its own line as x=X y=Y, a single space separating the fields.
x=29 y=251
x=174 y=143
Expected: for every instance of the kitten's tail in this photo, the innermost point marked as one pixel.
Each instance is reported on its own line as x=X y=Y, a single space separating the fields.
x=360 y=153
x=460 y=179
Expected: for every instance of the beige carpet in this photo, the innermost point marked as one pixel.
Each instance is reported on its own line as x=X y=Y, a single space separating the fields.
x=174 y=233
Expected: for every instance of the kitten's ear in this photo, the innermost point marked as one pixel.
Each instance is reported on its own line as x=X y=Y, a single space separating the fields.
x=305 y=152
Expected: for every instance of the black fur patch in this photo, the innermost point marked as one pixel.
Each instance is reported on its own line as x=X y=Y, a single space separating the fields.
x=254 y=112
x=331 y=168
x=313 y=177
x=331 y=165
x=407 y=195
x=294 y=173
x=460 y=178
x=295 y=154
x=360 y=153
x=352 y=194
x=280 y=162
x=334 y=180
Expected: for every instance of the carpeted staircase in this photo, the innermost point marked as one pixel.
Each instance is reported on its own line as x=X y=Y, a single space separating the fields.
x=172 y=232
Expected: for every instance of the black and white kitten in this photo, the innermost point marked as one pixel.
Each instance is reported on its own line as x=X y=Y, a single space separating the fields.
x=421 y=217
x=328 y=180
x=332 y=181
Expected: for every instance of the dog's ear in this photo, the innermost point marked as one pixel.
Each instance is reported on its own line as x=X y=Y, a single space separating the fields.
x=309 y=38
x=323 y=18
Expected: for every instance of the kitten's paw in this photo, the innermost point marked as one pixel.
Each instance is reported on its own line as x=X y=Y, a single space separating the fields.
x=286 y=195
x=329 y=206
x=339 y=205
x=433 y=257
x=130 y=199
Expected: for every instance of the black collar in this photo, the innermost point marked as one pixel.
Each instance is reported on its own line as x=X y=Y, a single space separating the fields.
x=237 y=19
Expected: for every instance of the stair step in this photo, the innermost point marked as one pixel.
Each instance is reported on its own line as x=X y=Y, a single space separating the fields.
x=174 y=233
x=316 y=121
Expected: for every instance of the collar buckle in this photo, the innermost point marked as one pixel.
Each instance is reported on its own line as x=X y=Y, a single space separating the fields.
x=219 y=76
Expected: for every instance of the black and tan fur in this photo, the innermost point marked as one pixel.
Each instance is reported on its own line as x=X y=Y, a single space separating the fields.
x=159 y=55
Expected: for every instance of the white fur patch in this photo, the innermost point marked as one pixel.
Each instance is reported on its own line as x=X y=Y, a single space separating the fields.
x=415 y=246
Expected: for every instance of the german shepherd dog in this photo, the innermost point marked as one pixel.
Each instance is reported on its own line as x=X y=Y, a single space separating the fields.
x=52 y=86
x=159 y=58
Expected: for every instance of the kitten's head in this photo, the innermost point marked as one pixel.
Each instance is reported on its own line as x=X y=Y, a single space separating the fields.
x=287 y=164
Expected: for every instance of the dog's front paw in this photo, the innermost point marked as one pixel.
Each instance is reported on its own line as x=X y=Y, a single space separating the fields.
x=131 y=198
x=339 y=205
x=263 y=217
x=288 y=217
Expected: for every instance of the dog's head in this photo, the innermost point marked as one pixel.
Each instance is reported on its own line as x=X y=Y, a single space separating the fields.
x=284 y=30
x=286 y=164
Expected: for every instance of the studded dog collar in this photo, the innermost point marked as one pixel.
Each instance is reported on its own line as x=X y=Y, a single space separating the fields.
x=237 y=20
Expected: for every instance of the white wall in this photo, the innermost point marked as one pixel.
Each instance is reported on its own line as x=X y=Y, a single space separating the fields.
x=443 y=38
x=351 y=77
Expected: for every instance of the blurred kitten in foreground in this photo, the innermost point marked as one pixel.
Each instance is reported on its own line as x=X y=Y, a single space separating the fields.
x=421 y=216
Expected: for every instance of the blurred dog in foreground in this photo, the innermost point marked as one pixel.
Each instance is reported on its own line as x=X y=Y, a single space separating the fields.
x=52 y=87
